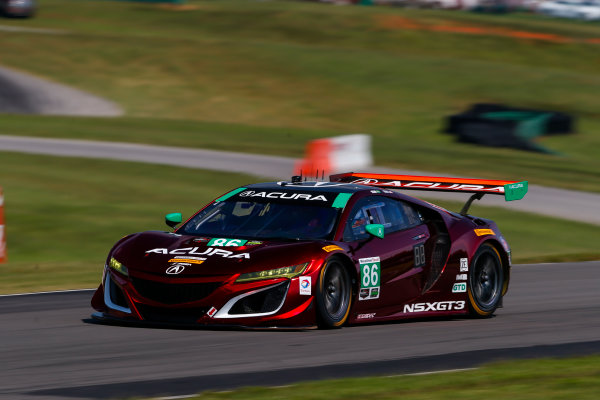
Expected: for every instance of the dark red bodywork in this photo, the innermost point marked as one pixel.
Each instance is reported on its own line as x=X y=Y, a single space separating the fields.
x=150 y=295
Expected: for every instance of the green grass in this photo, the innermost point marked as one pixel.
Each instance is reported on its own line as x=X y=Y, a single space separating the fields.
x=266 y=76
x=545 y=379
x=64 y=214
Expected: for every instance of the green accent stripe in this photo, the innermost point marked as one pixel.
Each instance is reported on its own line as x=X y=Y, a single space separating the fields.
x=232 y=193
x=515 y=191
x=341 y=200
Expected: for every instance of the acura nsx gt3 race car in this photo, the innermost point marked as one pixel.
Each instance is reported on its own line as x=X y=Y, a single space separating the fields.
x=300 y=254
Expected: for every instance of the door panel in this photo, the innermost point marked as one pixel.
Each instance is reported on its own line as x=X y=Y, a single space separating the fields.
x=390 y=269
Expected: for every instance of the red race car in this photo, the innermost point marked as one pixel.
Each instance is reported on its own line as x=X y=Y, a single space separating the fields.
x=305 y=254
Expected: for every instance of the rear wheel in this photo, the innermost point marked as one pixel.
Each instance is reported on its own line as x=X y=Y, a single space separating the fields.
x=485 y=281
x=334 y=295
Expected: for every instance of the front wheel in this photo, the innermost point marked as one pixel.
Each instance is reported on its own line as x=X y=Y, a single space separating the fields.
x=334 y=295
x=486 y=279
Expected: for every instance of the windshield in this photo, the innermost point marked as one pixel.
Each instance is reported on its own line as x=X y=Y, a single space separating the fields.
x=263 y=220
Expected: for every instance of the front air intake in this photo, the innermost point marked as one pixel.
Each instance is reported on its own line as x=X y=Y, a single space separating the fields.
x=174 y=293
x=116 y=295
x=171 y=315
x=265 y=301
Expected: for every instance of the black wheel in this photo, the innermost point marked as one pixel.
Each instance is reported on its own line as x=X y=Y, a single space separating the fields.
x=334 y=295
x=486 y=280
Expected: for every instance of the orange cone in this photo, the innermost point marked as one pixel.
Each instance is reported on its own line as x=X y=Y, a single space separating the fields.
x=317 y=161
x=335 y=154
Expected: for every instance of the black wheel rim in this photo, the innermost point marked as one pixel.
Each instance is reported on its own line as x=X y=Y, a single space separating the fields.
x=486 y=281
x=336 y=291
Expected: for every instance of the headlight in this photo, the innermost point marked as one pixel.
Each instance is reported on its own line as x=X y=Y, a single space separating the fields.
x=117 y=266
x=285 y=272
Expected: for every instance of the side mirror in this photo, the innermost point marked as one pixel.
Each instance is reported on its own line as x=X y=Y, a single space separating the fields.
x=375 y=230
x=173 y=219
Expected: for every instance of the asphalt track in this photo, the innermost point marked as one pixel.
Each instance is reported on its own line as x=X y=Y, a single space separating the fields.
x=21 y=93
x=572 y=205
x=50 y=349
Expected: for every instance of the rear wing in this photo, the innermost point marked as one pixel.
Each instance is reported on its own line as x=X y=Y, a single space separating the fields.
x=511 y=190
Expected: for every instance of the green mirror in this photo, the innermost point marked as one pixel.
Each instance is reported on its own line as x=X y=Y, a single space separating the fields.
x=375 y=230
x=173 y=219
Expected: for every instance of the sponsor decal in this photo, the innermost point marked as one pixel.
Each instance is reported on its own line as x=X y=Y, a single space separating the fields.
x=436 y=306
x=176 y=268
x=202 y=240
x=211 y=313
x=283 y=195
x=190 y=260
x=461 y=277
x=194 y=251
x=253 y=242
x=223 y=242
x=418 y=237
x=375 y=191
x=332 y=248
x=305 y=285
x=370 y=269
x=464 y=265
x=459 y=287
x=365 y=316
x=483 y=232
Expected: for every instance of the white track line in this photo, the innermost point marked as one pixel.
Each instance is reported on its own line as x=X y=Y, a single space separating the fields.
x=50 y=292
x=44 y=31
x=444 y=371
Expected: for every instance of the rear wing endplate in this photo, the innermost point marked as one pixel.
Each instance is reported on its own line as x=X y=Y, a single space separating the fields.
x=511 y=190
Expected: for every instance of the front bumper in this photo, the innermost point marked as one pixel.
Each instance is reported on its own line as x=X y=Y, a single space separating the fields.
x=268 y=303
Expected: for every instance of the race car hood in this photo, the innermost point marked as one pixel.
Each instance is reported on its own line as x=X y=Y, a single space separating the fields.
x=154 y=252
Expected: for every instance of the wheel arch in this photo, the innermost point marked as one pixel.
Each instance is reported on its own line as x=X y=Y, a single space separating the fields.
x=324 y=318
x=350 y=267
x=504 y=260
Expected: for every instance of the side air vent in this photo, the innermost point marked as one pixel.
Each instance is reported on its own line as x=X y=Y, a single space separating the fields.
x=441 y=248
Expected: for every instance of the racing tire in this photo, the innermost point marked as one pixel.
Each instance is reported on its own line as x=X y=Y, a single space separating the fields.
x=334 y=295
x=486 y=280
